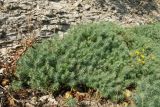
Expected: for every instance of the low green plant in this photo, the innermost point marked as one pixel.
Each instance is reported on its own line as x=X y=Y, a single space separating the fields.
x=71 y=102
x=103 y=56
x=147 y=92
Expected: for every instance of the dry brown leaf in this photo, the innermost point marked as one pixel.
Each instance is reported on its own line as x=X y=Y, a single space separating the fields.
x=127 y=93
x=5 y=82
x=11 y=102
x=68 y=94
x=81 y=96
x=125 y=104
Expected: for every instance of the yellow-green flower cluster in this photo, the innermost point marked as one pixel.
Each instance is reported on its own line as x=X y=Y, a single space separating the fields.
x=139 y=55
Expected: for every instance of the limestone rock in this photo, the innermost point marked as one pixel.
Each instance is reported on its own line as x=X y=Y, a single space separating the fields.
x=20 y=18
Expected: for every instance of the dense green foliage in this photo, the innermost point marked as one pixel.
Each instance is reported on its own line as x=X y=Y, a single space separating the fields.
x=148 y=92
x=102 y=56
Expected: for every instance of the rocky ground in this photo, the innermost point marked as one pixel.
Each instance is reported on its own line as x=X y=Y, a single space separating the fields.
x=21 y=18
x=22 y=22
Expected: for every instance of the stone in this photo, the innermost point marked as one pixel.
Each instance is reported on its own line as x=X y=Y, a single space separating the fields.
x=15 y=47
x=33 y=100
x=3 y=18
x=43 y=98
x=3 y=52
x=25 y=6
x=2 y=34
x=49 y=13
x=44 y=28
x=56 y=6
x=29 y=105
x=45 y=20
x=51 y=27
x=157 y=18
x=12 y=6
x=87 y=7
x=10 y=34
x=49 y=99
x=91 y=104
x=54 y=21
x=63 y=22
x=78 y=2
x=1 y=2
x=20 y=18
x=2 y=71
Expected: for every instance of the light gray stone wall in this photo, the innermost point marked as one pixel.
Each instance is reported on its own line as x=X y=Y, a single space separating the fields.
x=21 y=18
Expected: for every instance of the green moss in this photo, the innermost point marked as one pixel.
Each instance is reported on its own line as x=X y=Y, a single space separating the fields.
x=102 y=56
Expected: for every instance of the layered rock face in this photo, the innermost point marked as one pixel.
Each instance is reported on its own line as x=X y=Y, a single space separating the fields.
x=21 y=18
